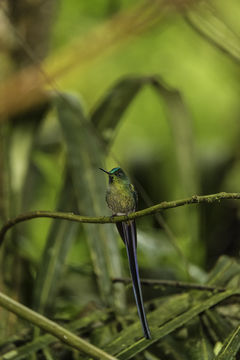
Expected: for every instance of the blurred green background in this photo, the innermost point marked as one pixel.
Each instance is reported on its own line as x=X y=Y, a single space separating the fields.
x=173 y=144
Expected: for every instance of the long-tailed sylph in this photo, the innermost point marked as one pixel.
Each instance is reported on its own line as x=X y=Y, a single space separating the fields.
x=121 y=198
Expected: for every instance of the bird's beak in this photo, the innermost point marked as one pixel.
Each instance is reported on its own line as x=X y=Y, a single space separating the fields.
x=105 y=171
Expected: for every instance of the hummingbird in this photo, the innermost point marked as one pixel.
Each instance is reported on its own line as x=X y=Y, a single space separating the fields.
x=122 y=199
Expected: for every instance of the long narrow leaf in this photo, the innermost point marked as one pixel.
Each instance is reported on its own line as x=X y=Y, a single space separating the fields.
x=224 y=270
x=198 y=345
x=53 y=328
x=85 y=156
x=44 y=340
x=60 y=238
x=180 y=123
x=172 y=321
x=231 y=346
x=207 y=22
x=110 y=110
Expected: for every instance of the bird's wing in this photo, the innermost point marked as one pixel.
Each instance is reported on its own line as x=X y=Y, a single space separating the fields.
x=132 y=189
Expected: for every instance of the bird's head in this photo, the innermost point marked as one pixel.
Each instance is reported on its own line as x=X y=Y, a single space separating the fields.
x=116 y=175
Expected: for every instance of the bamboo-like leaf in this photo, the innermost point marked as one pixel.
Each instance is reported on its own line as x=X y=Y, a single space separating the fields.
x=108 y=113
x=224 y=270
x=44 y=340
x=231 y=346
x=198 y=345
x=221 y=275
x=85 y=156
x=53 y=328
x=219 y=324
x=177 y=312
x=181 y=126
x=60 y=237
x=180 y=123
x=171 y=348
x=168 y=307
x=22 y=135
x=206 y=21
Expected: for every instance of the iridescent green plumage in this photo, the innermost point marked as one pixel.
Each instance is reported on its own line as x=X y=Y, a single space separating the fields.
x=121 y=198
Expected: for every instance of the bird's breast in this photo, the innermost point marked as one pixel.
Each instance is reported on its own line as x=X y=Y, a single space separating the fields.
x=120 y=200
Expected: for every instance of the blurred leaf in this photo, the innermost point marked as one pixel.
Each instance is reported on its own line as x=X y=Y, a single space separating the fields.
x=44 y=340
x=85 y=156
x=23 y=131
x=224 y=270
x=59 y=241
x=175 y=313
x=168 y=307
x=231 y=346
x=150 y=356
x=198 y=345
x=206 y=21
x=180 y=123
x=169 y=347
x=108 y=113
x=219 y=324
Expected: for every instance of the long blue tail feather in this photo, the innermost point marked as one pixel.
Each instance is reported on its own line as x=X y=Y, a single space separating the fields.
x=127 y=231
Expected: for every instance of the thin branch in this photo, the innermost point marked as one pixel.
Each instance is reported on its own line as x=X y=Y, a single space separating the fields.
x=171 y=283
x=51 y=327
x=195 y=199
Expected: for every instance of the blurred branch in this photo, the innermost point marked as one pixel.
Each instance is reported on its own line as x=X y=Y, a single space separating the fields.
x=171 y=283
x=195 y=199
x=26 y=88
x=51 y=327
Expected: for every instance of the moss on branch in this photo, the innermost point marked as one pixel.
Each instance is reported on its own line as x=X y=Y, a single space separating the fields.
x=195 y=199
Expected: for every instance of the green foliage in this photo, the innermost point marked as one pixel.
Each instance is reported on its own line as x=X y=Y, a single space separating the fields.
x=176 y=141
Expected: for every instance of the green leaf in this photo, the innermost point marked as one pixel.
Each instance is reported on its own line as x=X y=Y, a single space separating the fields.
x=44 y=340
x=107 y=114
x=59 y=241
x=172 y=348
x=206 y=21
x=231 y=346
x=23 y=126
x=198 y=345
x=85 y=156
x=181 y=125
x=217 y=324
x=174 y=314
x=224 y=270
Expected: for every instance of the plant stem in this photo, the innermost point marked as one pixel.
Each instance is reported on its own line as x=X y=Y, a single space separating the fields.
x=51 y=327
x=195 y=199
